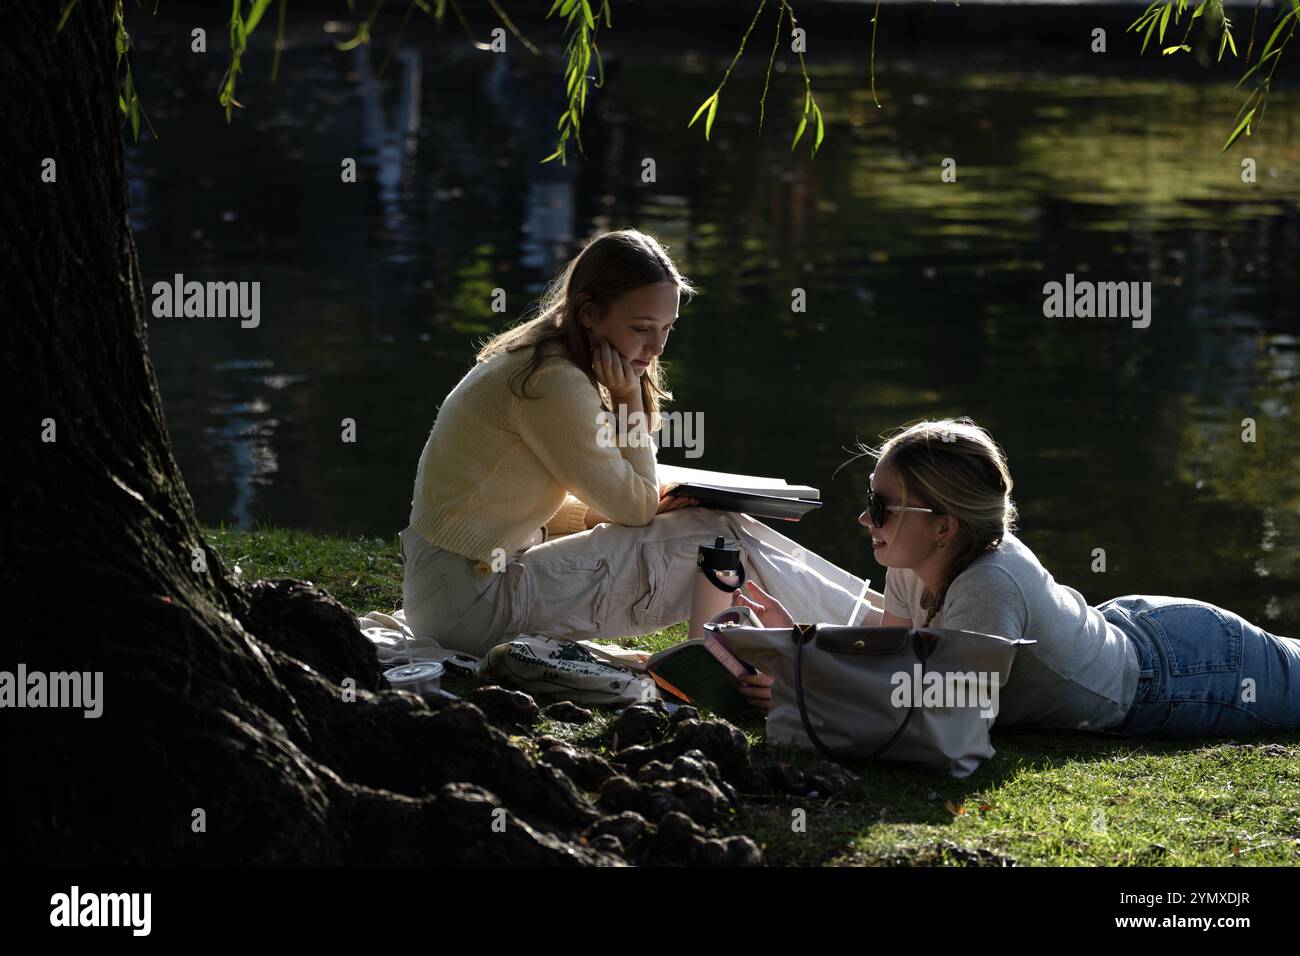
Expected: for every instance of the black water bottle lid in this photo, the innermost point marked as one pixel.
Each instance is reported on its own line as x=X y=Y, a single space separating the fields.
x=720 y=557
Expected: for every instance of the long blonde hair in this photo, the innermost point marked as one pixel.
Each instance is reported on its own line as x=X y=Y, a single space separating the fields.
x=609 y=266
x=955 y=467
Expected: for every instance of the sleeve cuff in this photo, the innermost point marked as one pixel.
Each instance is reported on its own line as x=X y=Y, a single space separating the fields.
x=570 y=518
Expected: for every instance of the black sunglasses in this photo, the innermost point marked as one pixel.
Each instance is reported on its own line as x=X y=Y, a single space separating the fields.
x=878 y=509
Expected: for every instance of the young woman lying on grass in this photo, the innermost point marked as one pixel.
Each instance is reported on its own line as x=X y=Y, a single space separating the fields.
x=941 y=516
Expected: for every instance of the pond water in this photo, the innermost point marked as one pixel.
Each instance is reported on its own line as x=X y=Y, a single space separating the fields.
x=923 y=298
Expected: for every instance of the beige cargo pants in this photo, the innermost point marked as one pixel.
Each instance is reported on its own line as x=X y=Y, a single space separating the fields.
x=611 y=581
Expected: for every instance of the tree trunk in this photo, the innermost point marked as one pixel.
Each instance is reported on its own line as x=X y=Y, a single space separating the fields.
x=207 y=702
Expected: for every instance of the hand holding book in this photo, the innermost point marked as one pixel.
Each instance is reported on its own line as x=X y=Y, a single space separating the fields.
x=758 y=688
x=666 y=503
x=669 y=502
x=707 y=673
x=749 y=494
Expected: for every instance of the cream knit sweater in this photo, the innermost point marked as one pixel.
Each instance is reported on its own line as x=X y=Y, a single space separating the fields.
x=497 y=467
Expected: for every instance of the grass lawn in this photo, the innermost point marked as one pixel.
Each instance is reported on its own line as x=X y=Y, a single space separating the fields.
x=1045 y=798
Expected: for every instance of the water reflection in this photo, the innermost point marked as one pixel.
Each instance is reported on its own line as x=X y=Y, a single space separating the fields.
x=392 y=141
x=924 y=297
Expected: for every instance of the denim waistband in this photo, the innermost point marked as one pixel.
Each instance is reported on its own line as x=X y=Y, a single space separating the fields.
x=1147 y=656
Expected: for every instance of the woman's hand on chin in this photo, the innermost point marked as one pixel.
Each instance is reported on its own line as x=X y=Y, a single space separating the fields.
x=614 y=371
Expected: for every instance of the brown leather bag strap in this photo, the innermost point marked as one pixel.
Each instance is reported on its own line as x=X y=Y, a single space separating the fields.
x=802 y=636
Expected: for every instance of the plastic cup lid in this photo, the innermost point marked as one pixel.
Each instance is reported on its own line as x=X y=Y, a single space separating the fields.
x=414 y=673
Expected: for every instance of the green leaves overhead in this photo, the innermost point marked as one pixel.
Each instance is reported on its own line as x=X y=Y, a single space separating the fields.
x=580 y=49
x=1216 y=25
x=810 y=110
x=1289 y=15
x=711 y=104
x=583 y=21
x=127 y=100
x=1244 y=126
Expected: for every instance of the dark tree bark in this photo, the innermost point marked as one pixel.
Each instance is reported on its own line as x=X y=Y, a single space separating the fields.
x=216 y=697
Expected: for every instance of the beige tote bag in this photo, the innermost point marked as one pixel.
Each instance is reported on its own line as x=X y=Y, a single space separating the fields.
x=916 y=695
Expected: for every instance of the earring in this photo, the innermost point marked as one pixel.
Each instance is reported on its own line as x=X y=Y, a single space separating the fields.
x=943 y=543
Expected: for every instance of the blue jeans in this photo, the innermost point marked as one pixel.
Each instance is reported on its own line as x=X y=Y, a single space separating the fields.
x=1204 y=671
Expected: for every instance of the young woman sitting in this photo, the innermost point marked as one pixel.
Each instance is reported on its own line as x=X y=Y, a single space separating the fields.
x=527 y=519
